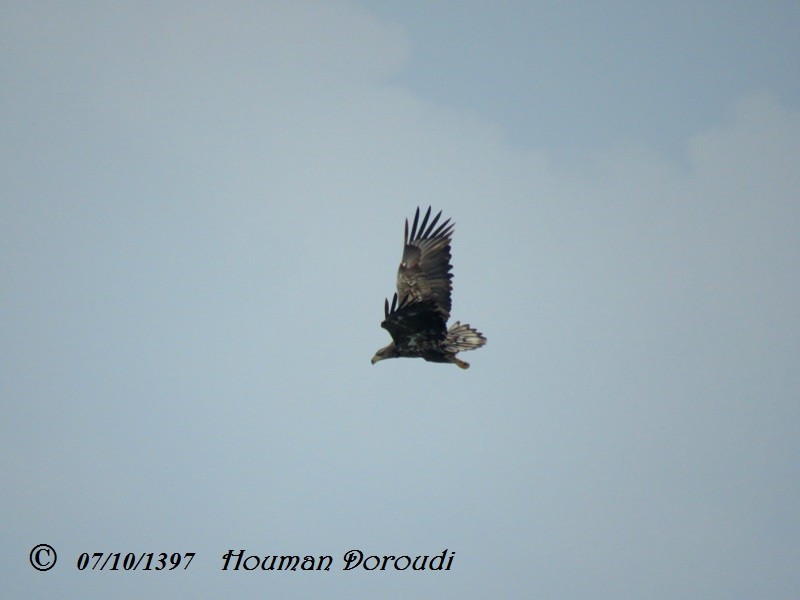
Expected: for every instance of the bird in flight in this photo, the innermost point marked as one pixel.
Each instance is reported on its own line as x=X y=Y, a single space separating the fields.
x=417 y=316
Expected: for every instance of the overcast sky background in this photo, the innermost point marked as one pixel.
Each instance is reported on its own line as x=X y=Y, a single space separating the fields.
x=202 y=212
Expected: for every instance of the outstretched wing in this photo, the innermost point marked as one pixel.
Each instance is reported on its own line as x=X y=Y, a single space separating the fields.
x=424 y=272
x=414 y=323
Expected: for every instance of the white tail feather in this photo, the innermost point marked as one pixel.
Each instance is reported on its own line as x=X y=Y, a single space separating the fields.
x=461 y=338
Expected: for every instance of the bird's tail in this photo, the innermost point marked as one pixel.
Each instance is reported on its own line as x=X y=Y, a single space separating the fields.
x=461 y=338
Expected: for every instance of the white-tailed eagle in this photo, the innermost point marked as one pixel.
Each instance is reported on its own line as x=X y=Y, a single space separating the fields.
x=418 y=314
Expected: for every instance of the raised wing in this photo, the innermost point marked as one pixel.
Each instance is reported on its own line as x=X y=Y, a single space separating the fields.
x=424 y=272
x=414 y=323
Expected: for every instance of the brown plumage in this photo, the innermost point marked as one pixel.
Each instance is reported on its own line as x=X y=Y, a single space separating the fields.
x=418 y=314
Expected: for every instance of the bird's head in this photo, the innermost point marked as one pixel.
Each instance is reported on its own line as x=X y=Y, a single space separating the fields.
x=385 y=352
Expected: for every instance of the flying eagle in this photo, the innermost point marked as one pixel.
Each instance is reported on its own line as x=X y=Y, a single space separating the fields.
x=417 y=317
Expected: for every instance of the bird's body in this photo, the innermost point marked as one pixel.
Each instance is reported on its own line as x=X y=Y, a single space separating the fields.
x=418 y=314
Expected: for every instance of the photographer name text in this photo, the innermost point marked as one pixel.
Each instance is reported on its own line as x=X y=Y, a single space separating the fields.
x=352 y=560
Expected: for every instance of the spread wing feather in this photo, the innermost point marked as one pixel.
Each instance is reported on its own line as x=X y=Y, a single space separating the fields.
x=424 y=272
x=414 y=323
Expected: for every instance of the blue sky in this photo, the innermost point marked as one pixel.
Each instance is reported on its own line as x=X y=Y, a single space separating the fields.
x=202 y=212
x=576 y=77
